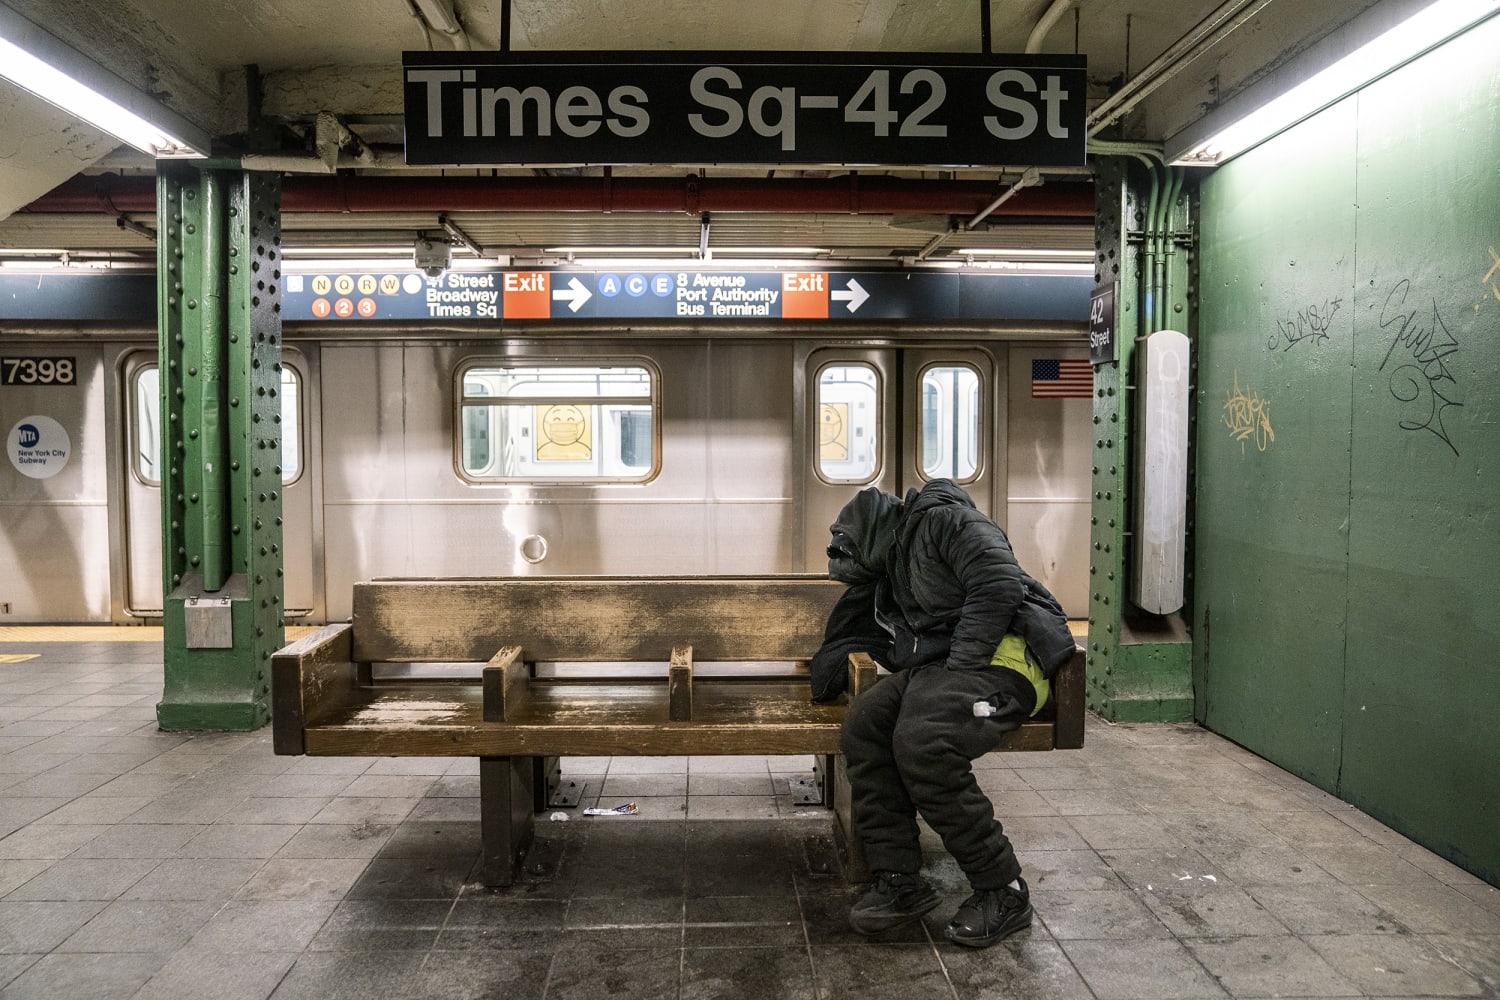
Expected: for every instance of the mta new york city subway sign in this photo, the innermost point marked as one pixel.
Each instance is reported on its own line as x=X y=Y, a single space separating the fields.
x=737 y=107
x=717 y=295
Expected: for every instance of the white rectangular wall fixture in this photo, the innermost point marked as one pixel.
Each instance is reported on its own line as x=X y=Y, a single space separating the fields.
x=1160 y=448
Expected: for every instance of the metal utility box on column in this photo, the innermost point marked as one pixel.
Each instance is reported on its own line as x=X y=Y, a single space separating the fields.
x=219 y=329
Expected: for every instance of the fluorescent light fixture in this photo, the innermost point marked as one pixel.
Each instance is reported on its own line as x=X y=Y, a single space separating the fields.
x=1036 y=267
x=398 y=251
x=1428 y=28
x=64 y=262
x=772 y=251
x=1398 y=45
x=644 y=251
x=36 y=61
x=1031 y=268
x=635 y=251
x=1026 y=254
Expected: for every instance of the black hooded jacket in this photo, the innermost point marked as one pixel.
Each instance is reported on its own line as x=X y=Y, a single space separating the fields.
x=948 y=585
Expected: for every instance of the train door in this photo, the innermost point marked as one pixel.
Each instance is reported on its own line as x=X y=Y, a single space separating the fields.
x=895 y=418
x=142 y=487
x=54 y=483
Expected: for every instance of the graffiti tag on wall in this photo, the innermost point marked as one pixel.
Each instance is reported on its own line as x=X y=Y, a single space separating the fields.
x=1421 y=379
x=1309 y=323
x=1248 y=417
x=1492 y=277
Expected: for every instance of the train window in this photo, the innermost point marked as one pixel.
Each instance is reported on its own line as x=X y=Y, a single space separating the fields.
x=558 y=422
x=848 y=423
x=145 y=431
x=950 y=426
x=291 y=424
x=146 y=436
x=476 y=440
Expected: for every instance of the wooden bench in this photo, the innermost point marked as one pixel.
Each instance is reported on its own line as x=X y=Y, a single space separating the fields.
x=519 y=711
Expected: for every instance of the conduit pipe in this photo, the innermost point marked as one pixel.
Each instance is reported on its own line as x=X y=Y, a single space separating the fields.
x=1044 y=25
x=1208 y=32
x=1169 y=244
x=1030 y=178
x=850 y=195
x=1146 y=311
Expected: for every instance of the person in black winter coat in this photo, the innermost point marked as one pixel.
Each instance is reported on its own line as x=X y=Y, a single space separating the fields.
x=972 y=642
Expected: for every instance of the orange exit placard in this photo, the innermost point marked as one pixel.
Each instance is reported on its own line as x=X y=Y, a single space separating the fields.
x=527 y=295
x=804 y=295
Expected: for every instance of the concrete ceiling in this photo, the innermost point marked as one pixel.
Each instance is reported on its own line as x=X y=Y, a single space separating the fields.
x=335 y=56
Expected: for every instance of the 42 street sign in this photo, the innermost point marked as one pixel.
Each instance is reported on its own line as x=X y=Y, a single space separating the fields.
x=470 y=108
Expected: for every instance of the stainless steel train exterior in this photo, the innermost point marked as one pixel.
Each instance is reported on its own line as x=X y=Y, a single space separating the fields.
x=593 y=451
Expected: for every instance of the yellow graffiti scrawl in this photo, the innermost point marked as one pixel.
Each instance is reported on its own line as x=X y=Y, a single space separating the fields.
x=1492 y=276
x=1248 y=417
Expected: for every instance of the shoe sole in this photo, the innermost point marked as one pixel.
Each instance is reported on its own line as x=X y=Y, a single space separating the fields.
x=991 y=939
x=879 y=924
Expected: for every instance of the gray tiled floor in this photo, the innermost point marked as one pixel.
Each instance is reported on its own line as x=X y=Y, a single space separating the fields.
x=1164 y=863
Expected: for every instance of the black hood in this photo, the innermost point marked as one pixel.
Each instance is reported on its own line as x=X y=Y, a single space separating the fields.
x=938 y=493
x=863 y=534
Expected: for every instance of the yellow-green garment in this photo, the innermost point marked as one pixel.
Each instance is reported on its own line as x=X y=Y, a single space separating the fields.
x=1012 y=653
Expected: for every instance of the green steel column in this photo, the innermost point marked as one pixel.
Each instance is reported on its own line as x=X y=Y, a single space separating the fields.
x=1139 y=666
x=219 y=328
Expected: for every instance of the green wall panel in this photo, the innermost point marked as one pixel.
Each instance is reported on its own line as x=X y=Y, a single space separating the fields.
x=1346 y=575
x=1423 y=693
x=1276 y=333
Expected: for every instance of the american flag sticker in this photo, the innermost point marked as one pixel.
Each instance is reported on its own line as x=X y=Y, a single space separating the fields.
x=1052 y=378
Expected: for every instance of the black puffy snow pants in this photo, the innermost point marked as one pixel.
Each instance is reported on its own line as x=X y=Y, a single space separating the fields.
x=909 y=742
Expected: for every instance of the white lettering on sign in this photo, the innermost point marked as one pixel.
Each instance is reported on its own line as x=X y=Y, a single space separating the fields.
x=578 y=111
x=1023 y=109
x=870 y=104
x=38 y=447
x=464 y=296
x=471 y=109
x=523 y=281
x=724 y=295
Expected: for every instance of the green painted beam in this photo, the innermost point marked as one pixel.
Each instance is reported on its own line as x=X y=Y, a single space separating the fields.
x=219 y=333
x=1140 y=669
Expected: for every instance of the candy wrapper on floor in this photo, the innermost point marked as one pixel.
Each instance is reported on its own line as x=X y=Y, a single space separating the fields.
x=628 y=809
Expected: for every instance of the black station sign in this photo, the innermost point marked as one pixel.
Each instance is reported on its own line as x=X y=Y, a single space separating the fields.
x=922 y=109
x=1102 y=316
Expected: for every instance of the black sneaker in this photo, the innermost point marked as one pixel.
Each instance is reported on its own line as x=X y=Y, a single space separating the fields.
x=989 y=915
x=895 y=899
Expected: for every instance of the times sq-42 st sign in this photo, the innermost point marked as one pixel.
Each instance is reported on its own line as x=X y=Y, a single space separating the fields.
x=852 y=109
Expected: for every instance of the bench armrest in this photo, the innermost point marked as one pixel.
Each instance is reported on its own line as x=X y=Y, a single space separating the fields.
x=1069 y=693
x=862 y=674
x=308 y=677
x=504 y=685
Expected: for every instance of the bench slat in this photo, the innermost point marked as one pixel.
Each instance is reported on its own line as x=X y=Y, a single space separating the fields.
x=665 y=739
x=730 y=717
x=593 y=618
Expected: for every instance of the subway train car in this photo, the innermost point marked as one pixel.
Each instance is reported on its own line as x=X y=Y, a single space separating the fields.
x=416 y=450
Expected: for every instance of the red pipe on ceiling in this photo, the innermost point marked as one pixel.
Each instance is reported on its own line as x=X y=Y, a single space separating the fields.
x=849 y=194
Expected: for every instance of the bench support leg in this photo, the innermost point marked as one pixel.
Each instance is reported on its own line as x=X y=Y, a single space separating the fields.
x=505 y=816
x=851 y=851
